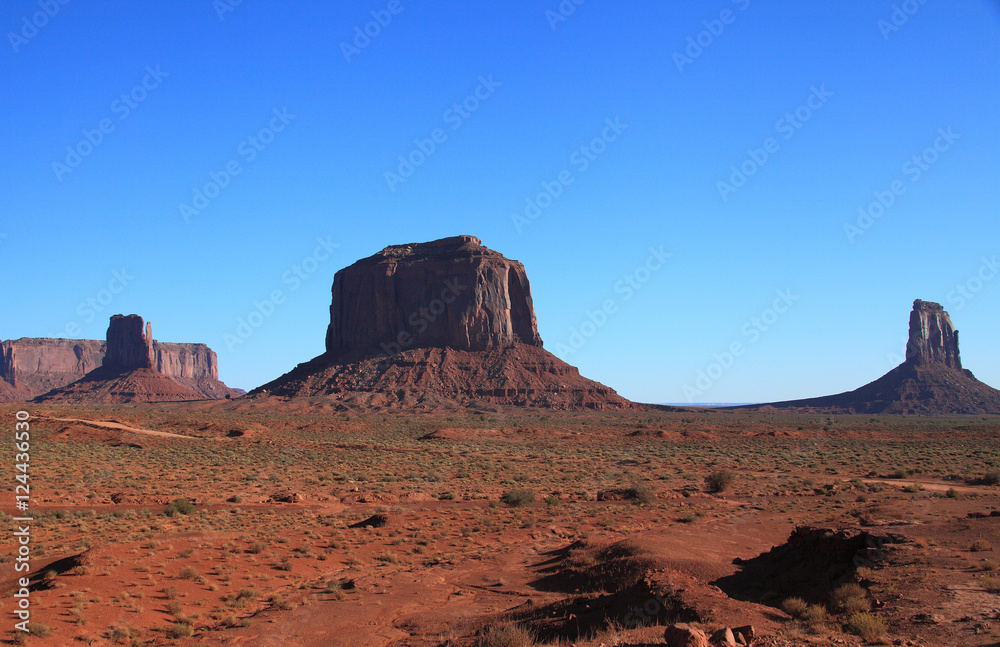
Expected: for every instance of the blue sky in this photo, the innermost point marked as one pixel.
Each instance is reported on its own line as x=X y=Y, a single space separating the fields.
x=292 y=127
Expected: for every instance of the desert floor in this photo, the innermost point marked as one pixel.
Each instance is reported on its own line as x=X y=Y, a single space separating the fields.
x=229 y=523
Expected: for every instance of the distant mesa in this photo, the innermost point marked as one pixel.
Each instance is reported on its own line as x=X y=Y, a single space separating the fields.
x=33 y=366
x=931 y=381
x=130 y=368
x=447 y=322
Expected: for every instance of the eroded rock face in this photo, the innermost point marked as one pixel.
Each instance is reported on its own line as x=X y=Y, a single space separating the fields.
x=933 y=338
x=32 y=366
x=129 y=346
x=448 y=293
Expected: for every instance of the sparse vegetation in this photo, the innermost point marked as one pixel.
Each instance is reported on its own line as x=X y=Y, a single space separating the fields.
x=719 y=481
x=867 y=625
x=849 y=598
x=794 y=607
x=506 y=636
x=518 y=498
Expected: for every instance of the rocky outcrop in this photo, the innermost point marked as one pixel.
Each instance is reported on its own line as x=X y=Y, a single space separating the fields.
x=37 y=365
x=33 y=366
x=449 y=293
x=448 y=323
x=128 y=346
x=128 y=371
x=931 y=381
x=933 y=338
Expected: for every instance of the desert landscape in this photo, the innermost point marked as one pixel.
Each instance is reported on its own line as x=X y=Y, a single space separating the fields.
x=465 y=488
x=547 y=323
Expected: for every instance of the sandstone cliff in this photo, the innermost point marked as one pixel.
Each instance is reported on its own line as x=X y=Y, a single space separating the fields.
x=933 y=338
x=444 y=323
x=126 y=374
x=452 y=293
x=30 y=367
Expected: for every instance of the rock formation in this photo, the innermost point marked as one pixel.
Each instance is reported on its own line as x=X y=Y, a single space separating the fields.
x=444 y=323
x=33 y=366
x=128 y=372
x=129 y=347
x=931 y=381
x=449 y=293
x=933 y=338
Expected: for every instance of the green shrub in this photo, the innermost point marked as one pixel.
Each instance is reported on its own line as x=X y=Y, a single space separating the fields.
x=992 y=478
x=720 y=480
x=867 y=625
x=518 y=498
x=179 y=506
x=990 y=584
x=849 y=598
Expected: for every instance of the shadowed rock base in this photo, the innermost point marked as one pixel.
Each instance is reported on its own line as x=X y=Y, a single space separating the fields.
x=518 y=375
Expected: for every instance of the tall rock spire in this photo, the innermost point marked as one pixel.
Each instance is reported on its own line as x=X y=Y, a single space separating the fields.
x=933 y=338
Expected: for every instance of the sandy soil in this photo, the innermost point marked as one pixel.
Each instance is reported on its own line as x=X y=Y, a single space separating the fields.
x=230 y=524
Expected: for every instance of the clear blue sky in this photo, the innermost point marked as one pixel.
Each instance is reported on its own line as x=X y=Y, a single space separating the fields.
x=869 y=94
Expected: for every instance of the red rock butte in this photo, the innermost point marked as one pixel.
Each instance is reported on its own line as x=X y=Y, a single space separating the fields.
x=447 y=322
x=931 y=381
x=128 y=371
